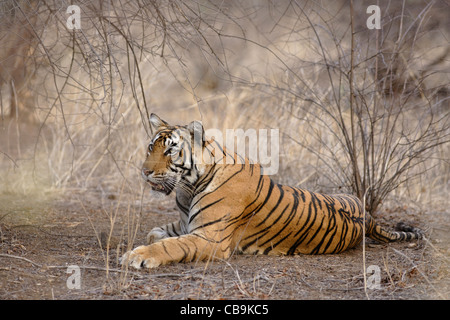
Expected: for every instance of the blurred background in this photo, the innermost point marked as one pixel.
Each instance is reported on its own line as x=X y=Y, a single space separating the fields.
x=359 y=110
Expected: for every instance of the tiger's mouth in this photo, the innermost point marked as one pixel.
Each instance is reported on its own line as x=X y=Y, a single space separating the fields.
x=163 y=187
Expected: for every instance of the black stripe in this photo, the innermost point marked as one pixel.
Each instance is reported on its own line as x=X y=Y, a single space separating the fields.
x=181 y=166
x=204 y=195
x=260 y=185
x=269 y=193
x=173 y=229
x=294 y=207
x=316 y=200
x=342 y=241
x=258 y=193
x=317 y=231
x=281 y=230
x=206 y=224
x=305 y=227
x=331 y=226
x=165 y=249
x=204 y=182
x=185 y=252
x=275 y=207
x=268 y=249
x=232 y=176
x=245 y=247
x=307 y=219
x=183 y=209
x=192 y=217
x=302 y=194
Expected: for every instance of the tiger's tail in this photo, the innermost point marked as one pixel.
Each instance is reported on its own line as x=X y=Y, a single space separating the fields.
x=377 y=232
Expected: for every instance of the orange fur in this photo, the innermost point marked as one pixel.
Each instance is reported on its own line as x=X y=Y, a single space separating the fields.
x=227 y=208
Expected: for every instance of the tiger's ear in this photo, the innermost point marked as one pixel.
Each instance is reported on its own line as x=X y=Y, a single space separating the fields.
x=157 y=122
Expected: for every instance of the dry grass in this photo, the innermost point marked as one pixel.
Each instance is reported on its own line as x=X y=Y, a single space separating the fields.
x=94 y=88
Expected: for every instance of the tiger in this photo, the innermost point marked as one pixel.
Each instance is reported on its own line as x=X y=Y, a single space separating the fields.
x=229 y=207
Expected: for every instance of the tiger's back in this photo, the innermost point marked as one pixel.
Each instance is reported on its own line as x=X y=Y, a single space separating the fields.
x=277 y=219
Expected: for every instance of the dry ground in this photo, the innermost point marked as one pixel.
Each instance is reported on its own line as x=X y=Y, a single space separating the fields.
x=41 y=238
x=41 y=233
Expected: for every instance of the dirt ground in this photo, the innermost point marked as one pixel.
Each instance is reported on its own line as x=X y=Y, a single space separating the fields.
x=43 y=234
x=41 y=238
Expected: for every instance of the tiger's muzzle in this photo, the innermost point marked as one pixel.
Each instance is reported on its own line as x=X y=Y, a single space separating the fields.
x=160 y=186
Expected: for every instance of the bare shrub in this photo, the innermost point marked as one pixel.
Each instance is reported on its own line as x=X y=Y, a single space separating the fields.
x=366 y=114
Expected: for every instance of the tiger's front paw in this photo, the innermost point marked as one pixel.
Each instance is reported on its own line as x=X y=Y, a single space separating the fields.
x=139 y=257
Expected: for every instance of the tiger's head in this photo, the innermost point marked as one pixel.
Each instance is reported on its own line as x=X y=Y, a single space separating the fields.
x=170 y=154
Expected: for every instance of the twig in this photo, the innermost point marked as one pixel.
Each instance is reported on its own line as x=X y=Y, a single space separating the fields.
x=160 y=275
x=436 y=249
x=9 y=157
x=51 y=233
x=421 y=273
x=364 y=240
x=20 y=258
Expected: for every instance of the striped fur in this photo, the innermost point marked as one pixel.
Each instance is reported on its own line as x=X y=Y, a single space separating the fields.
x=227 y=208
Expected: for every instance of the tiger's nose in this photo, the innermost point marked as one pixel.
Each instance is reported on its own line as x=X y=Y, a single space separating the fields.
x=147 y=172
